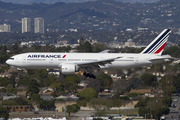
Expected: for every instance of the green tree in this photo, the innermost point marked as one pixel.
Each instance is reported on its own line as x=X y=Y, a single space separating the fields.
x=41 y=73
x=148 y=79
x=50 y=79
x=73 y=108
x=44 y=104
x=166 y=101
x=35 y=97
x=70 y=86
x=33 y=87
x=57 y=85
x=87 y=94
x=135 y=83
x=4 y=82
x=15 y=101
x=4 y=112
x=24 y=80
x=84 y=47
x=176 y=81
x=73 y=78
x=141 y=103
x=98 y=47
x=105 y=81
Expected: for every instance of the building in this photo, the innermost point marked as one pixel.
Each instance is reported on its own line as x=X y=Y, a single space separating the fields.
x=5 y=28
x=9 y=97
x=26 y=25
x=19 y=108
x=46 y=97
x=39 y=25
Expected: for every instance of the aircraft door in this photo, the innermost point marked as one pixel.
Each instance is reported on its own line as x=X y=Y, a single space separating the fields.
x=51 y=60
x=136 y=61
x=23 y=60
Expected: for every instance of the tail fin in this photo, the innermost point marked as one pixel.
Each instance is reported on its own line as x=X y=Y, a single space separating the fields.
x=158 y=44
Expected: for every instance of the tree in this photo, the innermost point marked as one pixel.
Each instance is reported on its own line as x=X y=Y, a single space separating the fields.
x=24 y=80
x=105 y=81
x=33 y=87
x=148 y=79
x=98 y=47
x=121 y=86
x=15 y=101
x=88 y=94
x=4 y=112
x=73 y=108
x=70 y=86
x=176 y=81
x=73 y=78
x=50 y=79
x=35 y=97
x=57 y=85
x=44 y=104
x=41 y=73
x=135 y=82
x=84 y=47
x=93 y=83
x=141 y=103
x=4 y=82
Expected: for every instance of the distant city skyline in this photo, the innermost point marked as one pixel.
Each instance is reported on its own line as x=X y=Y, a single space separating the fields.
x=39 y=25
x=26 y=25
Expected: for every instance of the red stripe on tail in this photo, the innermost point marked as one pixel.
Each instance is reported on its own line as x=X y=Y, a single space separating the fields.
x=160 y=49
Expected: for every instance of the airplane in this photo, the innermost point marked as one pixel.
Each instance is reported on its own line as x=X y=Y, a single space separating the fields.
x=69 y=63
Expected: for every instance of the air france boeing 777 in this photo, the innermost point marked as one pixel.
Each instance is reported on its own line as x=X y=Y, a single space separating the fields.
x=68 y=63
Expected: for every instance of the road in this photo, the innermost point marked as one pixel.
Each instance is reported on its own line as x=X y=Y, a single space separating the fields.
x=174 y=112
x=74 y=116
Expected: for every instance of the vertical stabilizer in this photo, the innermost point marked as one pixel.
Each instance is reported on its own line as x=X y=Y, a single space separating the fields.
x=158 y=44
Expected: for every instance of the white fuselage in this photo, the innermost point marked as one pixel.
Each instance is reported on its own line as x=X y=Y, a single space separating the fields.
x=55 y=60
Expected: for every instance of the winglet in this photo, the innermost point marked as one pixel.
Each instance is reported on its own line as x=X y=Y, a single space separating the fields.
x=158 y=44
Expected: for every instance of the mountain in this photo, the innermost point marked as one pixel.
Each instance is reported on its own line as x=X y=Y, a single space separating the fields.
x=95 y=15
x=68 y=1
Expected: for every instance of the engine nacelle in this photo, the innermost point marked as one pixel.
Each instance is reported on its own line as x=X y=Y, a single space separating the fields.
x=69 y=68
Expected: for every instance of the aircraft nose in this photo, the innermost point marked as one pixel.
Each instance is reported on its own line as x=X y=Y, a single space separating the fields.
x=8 y=62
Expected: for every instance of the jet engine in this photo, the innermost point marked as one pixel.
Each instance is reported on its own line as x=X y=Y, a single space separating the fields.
x=69 y=68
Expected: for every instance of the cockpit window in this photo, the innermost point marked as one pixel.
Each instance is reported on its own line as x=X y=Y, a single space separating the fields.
x=11 y=58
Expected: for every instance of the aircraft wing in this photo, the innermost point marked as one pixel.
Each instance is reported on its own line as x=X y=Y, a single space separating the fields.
x=104 y=51
x=97 y=63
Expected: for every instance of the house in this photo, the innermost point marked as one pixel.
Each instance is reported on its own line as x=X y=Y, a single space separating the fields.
x=46 y=90
x=9 y=97
x=68 y=98
x=83 y=84
x=17 y=79
x=21 y=94
x=60 y=105
x=46 y=97
x=2 y=94
x=8 y=75
x=22 y=87
x=19 y=108
x=145 y=92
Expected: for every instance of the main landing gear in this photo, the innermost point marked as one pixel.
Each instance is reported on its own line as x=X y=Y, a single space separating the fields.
x=89 y=75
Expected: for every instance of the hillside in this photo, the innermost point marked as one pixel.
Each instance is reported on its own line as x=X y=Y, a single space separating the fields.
x=94 y=15
x=68 y=1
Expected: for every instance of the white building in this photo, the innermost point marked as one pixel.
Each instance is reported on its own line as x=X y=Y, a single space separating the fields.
x=5 y=28
x=39 y=25
x=26 y=25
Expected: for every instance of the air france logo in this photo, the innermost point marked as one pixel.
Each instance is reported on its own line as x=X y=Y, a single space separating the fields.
x=45 y=56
